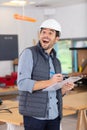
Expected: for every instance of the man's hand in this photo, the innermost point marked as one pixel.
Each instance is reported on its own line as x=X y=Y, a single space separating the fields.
x=56 y=78
x=67 y=87
x=46 y=83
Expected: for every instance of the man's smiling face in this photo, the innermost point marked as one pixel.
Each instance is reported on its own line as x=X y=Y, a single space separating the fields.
x=47 y=38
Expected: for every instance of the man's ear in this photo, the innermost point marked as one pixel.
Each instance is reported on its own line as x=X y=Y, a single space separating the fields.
x=57 y=39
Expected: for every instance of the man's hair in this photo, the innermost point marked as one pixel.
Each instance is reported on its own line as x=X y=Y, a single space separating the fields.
x=57 y=34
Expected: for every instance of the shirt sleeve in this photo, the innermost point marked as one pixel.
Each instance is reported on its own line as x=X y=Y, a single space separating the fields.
x=25 y=65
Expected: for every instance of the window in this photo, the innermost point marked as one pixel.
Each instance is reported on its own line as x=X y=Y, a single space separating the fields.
x=64 y=54
x=67 y=53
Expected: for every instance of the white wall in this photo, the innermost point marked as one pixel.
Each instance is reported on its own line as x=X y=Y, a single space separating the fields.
x=72 y=18
x=27 y=31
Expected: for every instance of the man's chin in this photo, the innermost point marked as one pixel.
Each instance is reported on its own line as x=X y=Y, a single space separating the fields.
x=45 y=48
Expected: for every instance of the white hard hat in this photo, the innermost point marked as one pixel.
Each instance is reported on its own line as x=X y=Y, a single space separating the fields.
x=52 y=24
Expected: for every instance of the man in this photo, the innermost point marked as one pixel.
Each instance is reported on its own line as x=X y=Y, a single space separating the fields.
x=38 y=69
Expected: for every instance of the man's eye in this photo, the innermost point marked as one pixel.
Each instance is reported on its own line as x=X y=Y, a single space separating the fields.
x=50 y=33
x=43 y=32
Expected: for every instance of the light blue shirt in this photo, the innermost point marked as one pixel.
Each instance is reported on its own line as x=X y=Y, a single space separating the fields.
x=25 y=83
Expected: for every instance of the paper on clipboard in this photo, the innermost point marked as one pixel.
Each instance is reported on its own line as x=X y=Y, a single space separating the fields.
x=60 y=84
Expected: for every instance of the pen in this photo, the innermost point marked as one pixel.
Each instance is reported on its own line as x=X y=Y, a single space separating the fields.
x=52 y=72
x=64 y=76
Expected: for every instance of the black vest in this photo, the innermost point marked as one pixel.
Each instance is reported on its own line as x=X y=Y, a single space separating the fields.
x=35 y=104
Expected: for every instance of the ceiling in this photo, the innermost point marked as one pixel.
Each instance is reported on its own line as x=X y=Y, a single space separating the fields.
x=50 y=3
x=56 y=3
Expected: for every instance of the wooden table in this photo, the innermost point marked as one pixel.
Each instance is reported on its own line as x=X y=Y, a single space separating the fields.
x=77 y=102
x=10 y=115
x=8 y=93
x=71 y=104
x=13 y=119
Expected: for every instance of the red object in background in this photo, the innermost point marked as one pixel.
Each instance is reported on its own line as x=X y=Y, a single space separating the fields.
x=9 y=80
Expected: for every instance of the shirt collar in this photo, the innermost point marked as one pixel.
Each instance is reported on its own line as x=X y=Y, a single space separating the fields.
x=52 y=53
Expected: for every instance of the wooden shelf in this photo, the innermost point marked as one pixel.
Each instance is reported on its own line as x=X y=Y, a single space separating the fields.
x=80 y=48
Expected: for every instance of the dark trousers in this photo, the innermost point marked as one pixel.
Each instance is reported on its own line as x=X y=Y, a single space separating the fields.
x=31 y=123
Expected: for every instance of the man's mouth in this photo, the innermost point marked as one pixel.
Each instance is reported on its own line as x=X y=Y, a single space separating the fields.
x=45 y=40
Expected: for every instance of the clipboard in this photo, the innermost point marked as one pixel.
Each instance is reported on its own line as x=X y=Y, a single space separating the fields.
x=60 y=84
